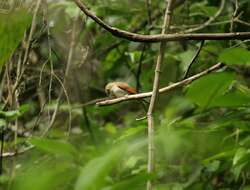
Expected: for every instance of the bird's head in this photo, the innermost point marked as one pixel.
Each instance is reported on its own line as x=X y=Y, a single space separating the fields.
x=108 y=88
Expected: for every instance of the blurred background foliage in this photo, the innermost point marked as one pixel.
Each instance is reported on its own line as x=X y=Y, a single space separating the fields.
x=202 y=135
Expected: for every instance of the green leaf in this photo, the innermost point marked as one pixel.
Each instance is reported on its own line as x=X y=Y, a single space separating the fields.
x=110 y=128
x=204 y=91
x=54 y=147
x=71 y=9
x=209 y=10
x=2 y=123
x=94 y=173
x=221 y=155
x=10 y=115
x=134 y=56
x=4 y=179
x=133 y=183
x=237 y=170
x=131 y=131
x=13 y=114
x=12 y=28
x=232 y=99
x=185 y=58
x=47 y=175
x=202 y=9
x=247 y=187
x=235 y=56
x=24 y=108
x=213 y=166
x=239 y=155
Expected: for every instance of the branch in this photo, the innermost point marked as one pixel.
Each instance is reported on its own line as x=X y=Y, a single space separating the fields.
x=1 y=150
x=194 y=59
x=161 y=90
x=155 y=92
x=139 y=69
x=149 y=4
x=10 y=154
x=210 y=20
x=160 y=37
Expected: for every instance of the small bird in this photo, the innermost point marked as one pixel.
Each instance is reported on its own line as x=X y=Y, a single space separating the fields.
x=119 y=89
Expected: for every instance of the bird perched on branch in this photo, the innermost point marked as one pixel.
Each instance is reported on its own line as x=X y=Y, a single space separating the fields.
x=119 y=89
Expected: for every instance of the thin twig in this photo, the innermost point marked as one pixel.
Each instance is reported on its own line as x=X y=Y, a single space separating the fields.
x=16 y=97
x=27 y=46
x=242 y=22
x=49 y=60
x=3 y=81
x=26 y=53
x=234 y=15
x=149 y=11
x=194 y=59
x=92 y=102
x=166 y=89
x=58 y=105
x=126 y=61
x=1 y=150
x=210 y=20
x=10 y=154
x=139 y=69
x=88 y=125
x=63 y=89
x=69 y=63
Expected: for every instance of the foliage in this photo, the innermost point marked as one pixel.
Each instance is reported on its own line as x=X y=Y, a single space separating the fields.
x=12 y=28
x=202 y=130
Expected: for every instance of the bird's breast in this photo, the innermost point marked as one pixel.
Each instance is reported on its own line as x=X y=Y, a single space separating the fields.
x=118 y=92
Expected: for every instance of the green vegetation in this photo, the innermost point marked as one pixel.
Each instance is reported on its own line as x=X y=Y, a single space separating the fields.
x=54 y=65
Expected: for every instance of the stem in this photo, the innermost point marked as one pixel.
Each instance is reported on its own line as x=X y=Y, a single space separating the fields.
x=151 y=147
x=194 y=59
x=1 y=151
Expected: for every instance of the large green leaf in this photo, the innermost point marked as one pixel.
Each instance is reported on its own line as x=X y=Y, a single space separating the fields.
x=222 y=155
x=232 y=99
x=12 y=28
x=133 y=183
x=205 y=90
x=235 y=56
x=240 y=154
x=93 y=175
x=55 y=147
x=45 y=175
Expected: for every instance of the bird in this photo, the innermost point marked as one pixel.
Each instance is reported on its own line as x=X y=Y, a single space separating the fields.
x=119 y=89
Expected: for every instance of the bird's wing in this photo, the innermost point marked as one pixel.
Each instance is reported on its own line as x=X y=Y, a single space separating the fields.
x=127 y=88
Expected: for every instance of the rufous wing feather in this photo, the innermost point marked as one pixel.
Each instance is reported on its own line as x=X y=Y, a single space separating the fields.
x=127 y=88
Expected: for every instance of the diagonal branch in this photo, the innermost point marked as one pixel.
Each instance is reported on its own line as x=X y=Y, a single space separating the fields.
x=194 y=58
x=107 y=102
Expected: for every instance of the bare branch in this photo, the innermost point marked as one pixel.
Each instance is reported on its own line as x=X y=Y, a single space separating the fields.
x=194 y=59
x=149 y=4
x=155 y=92
x=10 y=154
x=160 y=37
x=161 y=90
